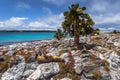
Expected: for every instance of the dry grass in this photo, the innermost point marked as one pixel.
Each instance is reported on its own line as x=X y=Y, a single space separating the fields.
x=25 y=54
x=61 y=51
x=4 y=64
x=118 y=53
x=104 y=63
x=47 y=59
x=93 y=57
x=67 y=70
x=107 y=68
x=103 y=51
x=96 y=75
x=43 y=48
x=94 y=39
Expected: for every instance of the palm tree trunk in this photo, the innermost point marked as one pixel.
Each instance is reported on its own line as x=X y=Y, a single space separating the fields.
x=76 y=39
x=76 y=36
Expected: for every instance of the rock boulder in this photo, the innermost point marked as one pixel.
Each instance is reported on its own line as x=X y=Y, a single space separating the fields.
x=44 y=71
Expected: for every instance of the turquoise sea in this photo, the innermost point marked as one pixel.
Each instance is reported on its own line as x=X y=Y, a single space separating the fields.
x=13 y=37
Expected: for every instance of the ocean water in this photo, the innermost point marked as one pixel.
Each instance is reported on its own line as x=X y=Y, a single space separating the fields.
x=13 y=37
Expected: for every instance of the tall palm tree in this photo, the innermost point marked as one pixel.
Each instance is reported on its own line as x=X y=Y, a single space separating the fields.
x=77 y=22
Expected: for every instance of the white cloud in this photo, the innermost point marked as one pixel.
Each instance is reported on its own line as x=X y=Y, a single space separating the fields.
x=22 y=5
x=106 y=19
x=51 y=23
x=99 y=6
x=56 y=2
x=109 y=29
x=37 y=24
x=13 y=22
x=106 y=14
x=104 y=6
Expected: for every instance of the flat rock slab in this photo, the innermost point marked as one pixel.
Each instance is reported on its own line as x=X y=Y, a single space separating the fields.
x=44 y=71
x=14 y=73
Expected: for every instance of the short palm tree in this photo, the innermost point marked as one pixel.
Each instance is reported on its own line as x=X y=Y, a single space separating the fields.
x=77 y=22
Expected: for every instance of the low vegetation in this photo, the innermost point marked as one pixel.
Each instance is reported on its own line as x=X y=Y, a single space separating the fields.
x=67 y=70
x=107 y=68
x=118 y=53
x=96 y=32
x=4 y=63
x=104 y=63
x=96 y=75
x=47 y=59
x=115 y=31
x=61 y=51
x=59 y=34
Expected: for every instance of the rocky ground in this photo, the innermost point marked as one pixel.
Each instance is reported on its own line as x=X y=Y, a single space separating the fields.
x=97 y=58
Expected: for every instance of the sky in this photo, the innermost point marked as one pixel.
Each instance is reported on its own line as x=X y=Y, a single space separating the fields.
x=48 y=14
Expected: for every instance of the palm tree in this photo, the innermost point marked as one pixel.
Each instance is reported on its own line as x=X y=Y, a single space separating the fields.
x=77 y=22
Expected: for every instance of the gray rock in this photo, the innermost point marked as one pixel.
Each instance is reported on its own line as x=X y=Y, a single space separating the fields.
x=53 y=53
x=78 y=60
x=78 y=68
x=14 y=73
x=19 y=59
x=32 y=58
x=106 y=77
x=27 y=73
x=114 y=65
x=66 y=78
x=10 y=53
x=1 y=53
x=77 y=65
x=37 y=50
x=32 y=65
x=65 y=57
x=76 y=53
x=117 y=43
x=44 y=71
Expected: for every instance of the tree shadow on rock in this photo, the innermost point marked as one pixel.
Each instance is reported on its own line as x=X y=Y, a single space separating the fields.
x=87 y=46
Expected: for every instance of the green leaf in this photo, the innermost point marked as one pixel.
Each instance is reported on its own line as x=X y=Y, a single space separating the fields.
x=65 y=13
x=79 y=11
x=83 y=8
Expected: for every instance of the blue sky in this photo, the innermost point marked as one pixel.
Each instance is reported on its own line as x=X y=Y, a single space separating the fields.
x=47 y=14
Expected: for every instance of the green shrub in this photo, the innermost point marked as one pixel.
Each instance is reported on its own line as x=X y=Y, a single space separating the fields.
x=59 y=34
x=114 y=31
x=96 y=32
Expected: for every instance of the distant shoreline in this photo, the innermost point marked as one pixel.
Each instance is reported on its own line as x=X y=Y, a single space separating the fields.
x=27 y=31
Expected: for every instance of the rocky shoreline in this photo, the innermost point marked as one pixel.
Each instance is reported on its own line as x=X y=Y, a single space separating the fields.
x=18 y=42
x=97 y=58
